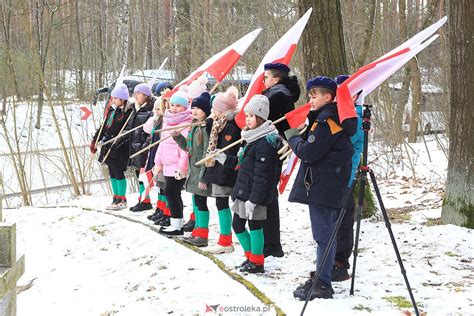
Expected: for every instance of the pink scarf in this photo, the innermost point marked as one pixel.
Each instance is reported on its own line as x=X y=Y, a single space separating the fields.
x=171 y=119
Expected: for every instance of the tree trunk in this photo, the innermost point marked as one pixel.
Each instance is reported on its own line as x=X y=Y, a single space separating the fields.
x=458 y=205
x=183 y=41
x=323 y=39
x=81 y=86
x=415 y=100
x=369 y=31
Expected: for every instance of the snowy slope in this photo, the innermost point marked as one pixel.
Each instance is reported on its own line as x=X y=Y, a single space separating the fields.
x=88 y=263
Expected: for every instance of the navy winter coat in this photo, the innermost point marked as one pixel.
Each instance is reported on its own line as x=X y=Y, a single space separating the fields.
x=259 y=171
x=325 y=161
x=282 y=98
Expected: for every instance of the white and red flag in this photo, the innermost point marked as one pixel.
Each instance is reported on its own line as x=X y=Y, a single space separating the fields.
x=221 y=63
x=281 y=52
x=147 y=178
x=369 y=77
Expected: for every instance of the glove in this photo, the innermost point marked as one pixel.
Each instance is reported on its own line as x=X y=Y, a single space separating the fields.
x=249 y=208
x=291 y=132
x=178 y=175
x=92 y=147
x=221 y=157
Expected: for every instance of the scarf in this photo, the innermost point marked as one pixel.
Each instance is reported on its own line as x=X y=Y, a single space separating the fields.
x=217 y=126
x=179 y=118
x=251 y=135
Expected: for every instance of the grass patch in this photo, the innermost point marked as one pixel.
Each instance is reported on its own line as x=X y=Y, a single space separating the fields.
x=361 y=307
x=451 y=254
x=98 y=231
x=433 y=222
x=400 y=215
x=399 y=301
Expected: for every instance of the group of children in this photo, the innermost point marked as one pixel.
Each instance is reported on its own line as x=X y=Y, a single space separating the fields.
x=191 y=126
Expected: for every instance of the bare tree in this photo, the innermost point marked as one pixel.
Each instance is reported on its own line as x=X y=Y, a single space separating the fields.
x=458 y=205
x=323 y=40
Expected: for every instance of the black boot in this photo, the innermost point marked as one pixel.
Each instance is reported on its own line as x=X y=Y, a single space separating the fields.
x=154 y=213
x=251 y=267
x=319 y=291
x=273 y=250
x=157 y=216
x=189 y=226
x=140 y=207
x=339 y=272
x=164 y=221
x=242 y=264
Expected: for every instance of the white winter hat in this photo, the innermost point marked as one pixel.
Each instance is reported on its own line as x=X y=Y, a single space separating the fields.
x=259 y=106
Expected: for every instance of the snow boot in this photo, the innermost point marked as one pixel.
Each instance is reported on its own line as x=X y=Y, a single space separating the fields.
x=251 y=267
x=189 y=226
x=196 y=241
x=320 y=291
x=141 y=206
x=164 y=221
x=339 y=272
x=175 y=228
x=218 y=249
x=273 y=250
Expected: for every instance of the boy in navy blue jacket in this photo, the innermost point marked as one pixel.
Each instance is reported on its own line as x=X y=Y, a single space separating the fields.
x=322 y=177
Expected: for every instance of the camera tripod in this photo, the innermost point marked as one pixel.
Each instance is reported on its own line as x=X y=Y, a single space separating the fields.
x=362 y=179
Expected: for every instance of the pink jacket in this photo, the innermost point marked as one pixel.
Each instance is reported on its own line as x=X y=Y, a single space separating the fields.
x=169 y=155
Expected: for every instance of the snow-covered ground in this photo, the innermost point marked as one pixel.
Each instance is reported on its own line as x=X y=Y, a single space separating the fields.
x=84 y=261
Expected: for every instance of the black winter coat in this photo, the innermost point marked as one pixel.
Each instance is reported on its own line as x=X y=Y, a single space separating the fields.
x=219 y=174
x=259 y=171
x=115 y=120
x=282 y=98
x=138 y=138
x=153 y=138
x=326 y=162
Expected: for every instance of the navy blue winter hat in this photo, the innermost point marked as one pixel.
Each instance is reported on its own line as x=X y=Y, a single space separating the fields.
x=203 y=102
x=160 y=87
x=277 y=66
x=323 y=82
x=341 y=78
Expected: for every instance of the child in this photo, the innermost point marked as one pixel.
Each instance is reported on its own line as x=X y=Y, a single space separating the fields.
x=258 y=175
x=142 y=111
x=322 y=177
x=345 y=234
x=196 y=145
x=172 y=161
x=222 y=131
x=117 y=152
x=151 y=127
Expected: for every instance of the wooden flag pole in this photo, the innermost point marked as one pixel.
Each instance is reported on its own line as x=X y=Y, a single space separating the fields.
x=231 y=145
x=123 y=127
x=166 y=129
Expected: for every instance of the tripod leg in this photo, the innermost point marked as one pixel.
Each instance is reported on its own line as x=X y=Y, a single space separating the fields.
x=331 y=241
x=360 y=205
x=389 y=228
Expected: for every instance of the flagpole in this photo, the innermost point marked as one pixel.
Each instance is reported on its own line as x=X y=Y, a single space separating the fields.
x=123 y=127
x=214 y=87
x=162 y=130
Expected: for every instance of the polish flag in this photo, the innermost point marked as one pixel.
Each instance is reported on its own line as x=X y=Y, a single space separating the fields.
x=281 y=52
x=286 y=174
x=220 y=64
x=369 y=77
x=298 y=116
x=147 y=178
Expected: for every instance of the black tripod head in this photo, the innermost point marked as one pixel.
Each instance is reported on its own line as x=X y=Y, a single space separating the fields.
x=366 y=115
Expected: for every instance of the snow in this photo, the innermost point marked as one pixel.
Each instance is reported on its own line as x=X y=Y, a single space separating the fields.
x=85 y=261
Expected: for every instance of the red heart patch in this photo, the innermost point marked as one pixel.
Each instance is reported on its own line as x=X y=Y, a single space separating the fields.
x=228 y=137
